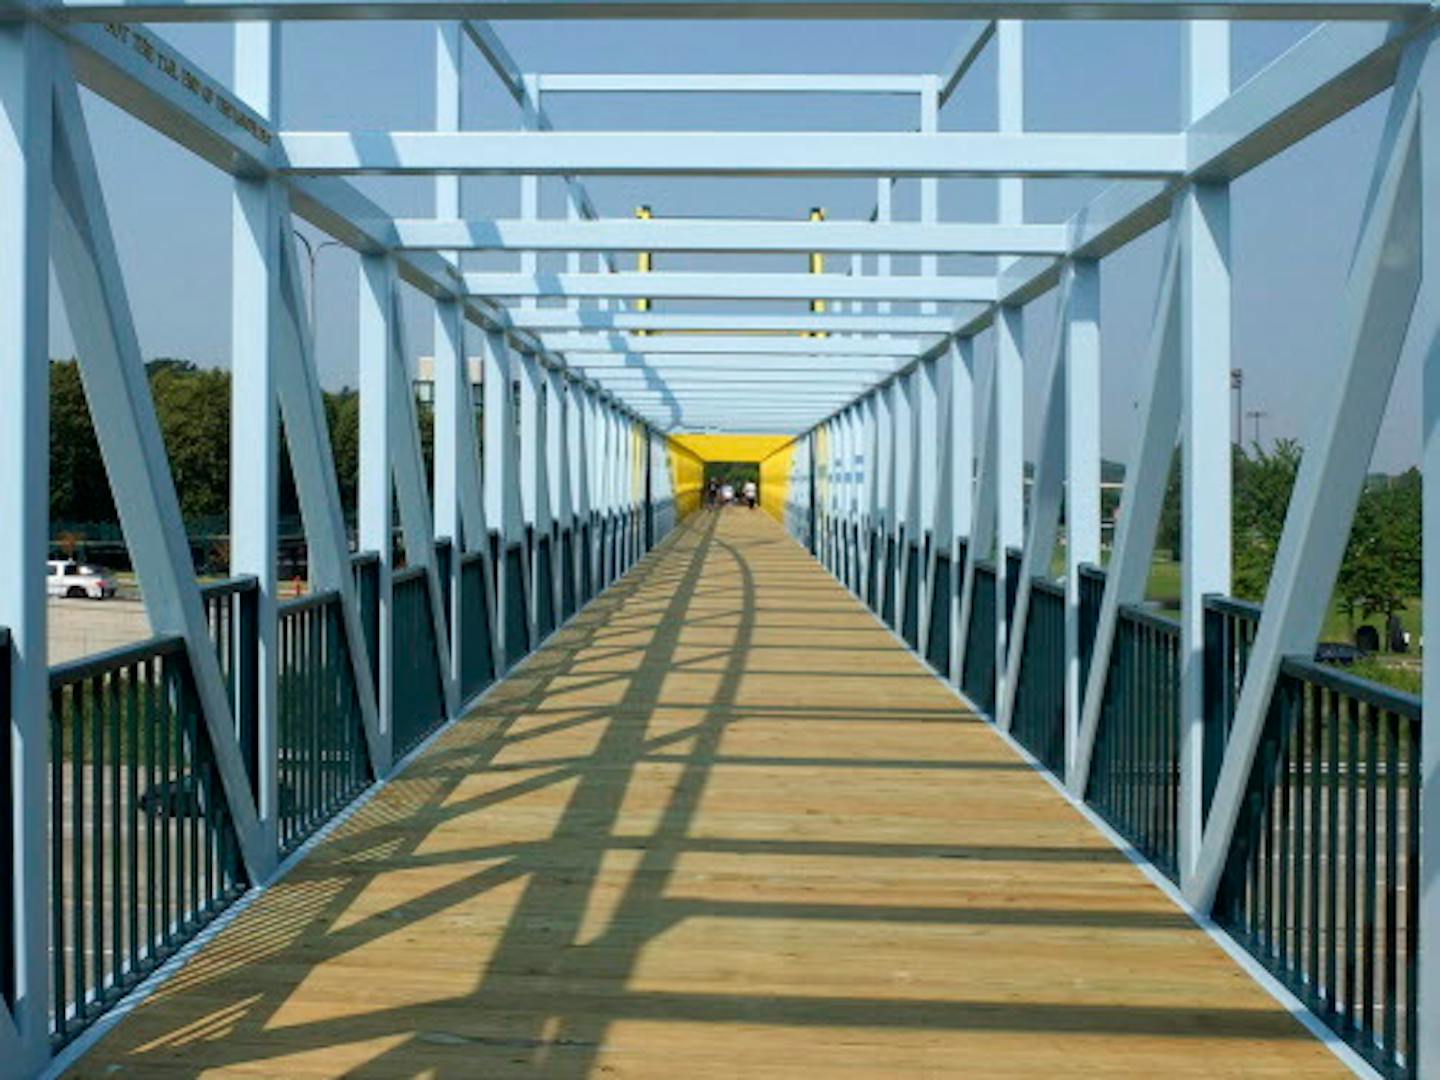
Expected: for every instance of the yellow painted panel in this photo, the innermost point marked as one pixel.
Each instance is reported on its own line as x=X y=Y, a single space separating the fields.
x=775 y=481
x=687 y=477
x=732 y=447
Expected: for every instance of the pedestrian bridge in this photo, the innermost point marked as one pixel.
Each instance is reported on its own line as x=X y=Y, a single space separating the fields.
x=550 y=769
x=722 y=824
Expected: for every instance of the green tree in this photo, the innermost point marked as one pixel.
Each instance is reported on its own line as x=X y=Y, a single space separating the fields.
x=193 y=407
x=79 y=488
x=1381 y=570
x=1261 y=496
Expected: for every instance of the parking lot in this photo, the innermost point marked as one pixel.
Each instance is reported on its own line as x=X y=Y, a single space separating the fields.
x=82 y=627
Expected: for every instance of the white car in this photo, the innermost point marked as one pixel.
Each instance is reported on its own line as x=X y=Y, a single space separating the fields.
x=78 y=581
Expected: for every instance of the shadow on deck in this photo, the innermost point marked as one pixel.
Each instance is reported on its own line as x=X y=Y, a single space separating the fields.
x=723 y=825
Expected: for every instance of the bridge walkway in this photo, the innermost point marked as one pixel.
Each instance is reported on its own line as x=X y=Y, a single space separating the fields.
x=723 y=825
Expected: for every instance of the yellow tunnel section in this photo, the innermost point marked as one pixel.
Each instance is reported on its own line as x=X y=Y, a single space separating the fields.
x=773 y=453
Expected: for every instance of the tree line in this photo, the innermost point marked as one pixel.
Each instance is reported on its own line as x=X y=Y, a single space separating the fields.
x=192 y=405
x=1380 y=572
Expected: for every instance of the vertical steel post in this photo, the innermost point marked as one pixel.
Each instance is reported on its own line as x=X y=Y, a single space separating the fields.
x=902 y=460
x=960 y=492
x=532 y=464
x=453 y=401
x=377 y=507
x=1204 y=419
x=1082 y=469
x=1374 y=315
x=1008 y=384
x=501 y=494
x=254 y=414
x=26 y=74
x=1427 y=1053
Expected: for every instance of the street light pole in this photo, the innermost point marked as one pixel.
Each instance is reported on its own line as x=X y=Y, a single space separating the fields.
x=1237 y=383
x=1257 y=415
x=312 y=254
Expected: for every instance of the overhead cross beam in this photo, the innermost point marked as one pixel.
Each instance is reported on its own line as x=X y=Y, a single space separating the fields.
x=731 y=235
x=767 y=153
x=731 y=287
x=247 y=10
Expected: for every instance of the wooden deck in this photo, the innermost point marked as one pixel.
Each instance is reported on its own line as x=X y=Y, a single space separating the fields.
x=723 y=826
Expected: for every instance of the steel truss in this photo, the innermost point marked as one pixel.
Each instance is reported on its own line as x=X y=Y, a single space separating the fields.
x=894 y=445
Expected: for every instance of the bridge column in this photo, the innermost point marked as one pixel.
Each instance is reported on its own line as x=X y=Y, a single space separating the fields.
x=925 y=465
x=1008 y=465
x=558 y=486
x=453 y=400
x=1082 y=470
x=577 y=430
x=377 y=491
x=1428 y=320
x=26 y=74
x=959 y=492
x=502 y=495
x=533 y=509
x=902 y=462
x=1204 y=421
x=254 y=416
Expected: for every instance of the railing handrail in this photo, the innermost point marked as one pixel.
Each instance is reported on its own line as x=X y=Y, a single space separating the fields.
x=1361 y=689
x=1149 y=617
x=231 y=586
x=410 y=573
x=985 y=565
x=309 y=600
x=364 y=558
x=1090 y=570
x=1048 y=585
x=123 y=656
x=1229 y=605
x=469 y=558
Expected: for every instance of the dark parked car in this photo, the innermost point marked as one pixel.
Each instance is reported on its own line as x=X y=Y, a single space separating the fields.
x=1339 y=652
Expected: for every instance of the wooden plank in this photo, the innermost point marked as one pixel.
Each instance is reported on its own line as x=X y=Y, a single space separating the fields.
x=723 y=825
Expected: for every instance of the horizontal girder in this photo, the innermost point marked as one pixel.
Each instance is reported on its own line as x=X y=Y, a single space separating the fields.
x=721 y=348
x=635 y=286
x=766 y=153
x=693 y=323
x=710 y=235
x=243 y=10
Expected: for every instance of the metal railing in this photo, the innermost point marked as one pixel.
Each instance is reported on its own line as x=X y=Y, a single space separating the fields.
x=1135 y=775
x=1092 y=595
x=142 y=848
x=477 y=665
x=231 y=614
x=979 y=676
x=418 y=699
x=1014 y=560
x=937 y=644
x=7 y=835
x=366 y=567
x=1322 y=882
x=1038 y=723
x=911 y=570
x=1230 y=627
x=322 y=761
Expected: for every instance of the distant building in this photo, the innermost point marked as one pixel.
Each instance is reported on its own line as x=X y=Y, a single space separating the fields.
x=424 y=381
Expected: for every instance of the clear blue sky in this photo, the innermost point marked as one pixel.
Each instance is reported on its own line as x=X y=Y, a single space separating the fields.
x=1294 y=219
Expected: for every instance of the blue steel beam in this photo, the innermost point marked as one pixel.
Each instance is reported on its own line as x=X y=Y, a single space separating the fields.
x=731 y=286
x=730 y=345
x=765 y=153
x=683 y=322
x=730 y=84
x=241 y=10
x=730 y=235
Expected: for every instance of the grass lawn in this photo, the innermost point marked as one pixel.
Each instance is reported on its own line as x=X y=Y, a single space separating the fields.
x=1401 y=671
